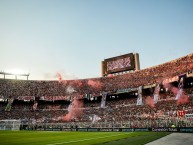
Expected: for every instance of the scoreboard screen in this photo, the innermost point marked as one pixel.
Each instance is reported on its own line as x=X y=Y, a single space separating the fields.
x=118 y=64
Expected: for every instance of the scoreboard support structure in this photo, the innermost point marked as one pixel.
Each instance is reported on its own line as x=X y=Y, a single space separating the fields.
x=137 y=64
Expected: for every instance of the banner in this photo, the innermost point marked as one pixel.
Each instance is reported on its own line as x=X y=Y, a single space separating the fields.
x=69 y=107
x=139 y=98
x=165 y=129
x=95 y=118
x=9 y=104
x=189 y=115
x=149 y=86
x=180 y=86
x=103 y=99
x=157 y=129
x=181 y=113
x=156 y=93
x=35 y=106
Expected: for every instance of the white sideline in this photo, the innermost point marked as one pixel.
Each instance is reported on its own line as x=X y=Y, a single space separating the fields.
x=87 y=139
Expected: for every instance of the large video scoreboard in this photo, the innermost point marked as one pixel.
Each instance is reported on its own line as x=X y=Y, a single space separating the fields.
x=119 y=64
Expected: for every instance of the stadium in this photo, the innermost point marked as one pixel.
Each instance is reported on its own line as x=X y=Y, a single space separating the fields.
x=124 y=105
x=96 y=72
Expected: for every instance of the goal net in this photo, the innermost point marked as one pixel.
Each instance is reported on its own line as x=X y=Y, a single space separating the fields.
x=10 y=124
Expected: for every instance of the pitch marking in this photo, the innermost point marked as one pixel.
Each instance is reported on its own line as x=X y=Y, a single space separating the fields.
x=86 y=139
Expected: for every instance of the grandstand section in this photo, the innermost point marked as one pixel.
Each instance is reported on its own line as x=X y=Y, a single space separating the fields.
x=128 y=100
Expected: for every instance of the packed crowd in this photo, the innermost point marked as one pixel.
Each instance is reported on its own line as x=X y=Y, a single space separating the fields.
x=151 y=75
x=119 y=112
x=95 y=86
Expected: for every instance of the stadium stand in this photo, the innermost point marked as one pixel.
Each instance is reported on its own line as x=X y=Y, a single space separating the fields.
x=45 y=103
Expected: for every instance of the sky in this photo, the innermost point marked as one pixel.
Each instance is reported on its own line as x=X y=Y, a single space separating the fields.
x=72 y=37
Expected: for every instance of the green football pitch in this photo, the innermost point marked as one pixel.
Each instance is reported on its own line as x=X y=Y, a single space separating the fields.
x=77 y=138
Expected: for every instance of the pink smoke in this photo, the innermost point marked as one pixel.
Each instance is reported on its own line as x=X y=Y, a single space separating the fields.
x=75 y=111
x=110 y=75
x=167 y=85
x=77 y=83
x=191 y=66
x=59 y=77
x=183 y=99
x=174 y=90
x=94 y=84
x=149 y=101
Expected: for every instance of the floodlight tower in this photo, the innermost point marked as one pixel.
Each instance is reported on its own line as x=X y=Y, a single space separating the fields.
x=7 y=73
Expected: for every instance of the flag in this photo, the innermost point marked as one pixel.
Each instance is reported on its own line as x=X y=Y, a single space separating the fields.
x=139 y=98
x=180 y=86
x=69 y=107
x=35 y=106
x=95 y=119
x=181 y=113
x=9 y=104
x=8 y=107
x=156 y=93
x=103 y=99
x=90 y=117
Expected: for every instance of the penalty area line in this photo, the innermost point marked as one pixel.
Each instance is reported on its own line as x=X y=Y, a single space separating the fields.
x=87 y=139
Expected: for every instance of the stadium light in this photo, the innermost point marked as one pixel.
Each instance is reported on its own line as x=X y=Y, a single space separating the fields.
x=15 y=72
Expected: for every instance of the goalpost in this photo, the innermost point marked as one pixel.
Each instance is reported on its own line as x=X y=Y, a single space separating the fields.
x=10 y=124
